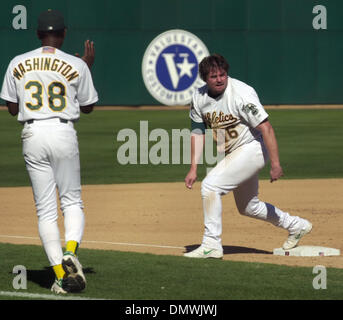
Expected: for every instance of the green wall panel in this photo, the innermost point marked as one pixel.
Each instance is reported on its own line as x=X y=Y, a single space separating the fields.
x=230 y=15
x=330 y=69
x=159 y=15
x=297 y=14
x=298 y=59
x=270 y=44
x=263 y=63
x=264 y=15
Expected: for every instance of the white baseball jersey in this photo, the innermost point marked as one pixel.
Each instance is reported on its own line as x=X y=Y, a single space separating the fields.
x=238 y=111
x=48 y=83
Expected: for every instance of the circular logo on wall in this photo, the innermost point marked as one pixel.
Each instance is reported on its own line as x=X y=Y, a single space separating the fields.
x=170 y=66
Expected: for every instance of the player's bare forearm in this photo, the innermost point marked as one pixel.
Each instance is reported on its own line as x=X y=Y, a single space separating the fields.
x=270 y=142
x=197 y=145
x=271 y=145
x=13 y=108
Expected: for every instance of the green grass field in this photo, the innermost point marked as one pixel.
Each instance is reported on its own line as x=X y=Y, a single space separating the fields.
x=137 y=276
x=310 y=147
x=309 y=143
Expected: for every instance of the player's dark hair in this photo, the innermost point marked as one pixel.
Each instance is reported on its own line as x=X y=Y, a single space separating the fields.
x=55 y=34
x=214 y=61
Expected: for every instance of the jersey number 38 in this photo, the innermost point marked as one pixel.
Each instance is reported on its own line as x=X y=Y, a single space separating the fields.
x=56 y=95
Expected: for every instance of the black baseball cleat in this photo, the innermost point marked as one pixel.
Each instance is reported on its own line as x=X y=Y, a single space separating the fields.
x=73 y=284
x=74 y=280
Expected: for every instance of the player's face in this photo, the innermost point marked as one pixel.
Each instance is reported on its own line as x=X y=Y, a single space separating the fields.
x=216 y=82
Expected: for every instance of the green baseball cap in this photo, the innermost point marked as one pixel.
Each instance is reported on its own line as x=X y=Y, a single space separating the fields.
x=50 y=20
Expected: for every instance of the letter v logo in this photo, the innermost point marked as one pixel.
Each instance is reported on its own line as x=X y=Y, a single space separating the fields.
x=169 y=59
x=185 y=67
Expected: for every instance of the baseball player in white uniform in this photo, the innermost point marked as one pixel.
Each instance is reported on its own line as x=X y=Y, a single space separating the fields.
x=47 y=88
x=229 y=106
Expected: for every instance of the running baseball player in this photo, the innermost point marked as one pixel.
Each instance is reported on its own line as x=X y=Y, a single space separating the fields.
x=229 y=106
x=47 y=88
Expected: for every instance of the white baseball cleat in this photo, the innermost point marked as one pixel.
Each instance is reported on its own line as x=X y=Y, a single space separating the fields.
x=294 y=238
x=75 y=280
x=204 y=253
x=57 y=287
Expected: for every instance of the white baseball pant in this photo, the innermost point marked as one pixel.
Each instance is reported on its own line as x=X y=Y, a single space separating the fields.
x=238 y=172
x=51 y=153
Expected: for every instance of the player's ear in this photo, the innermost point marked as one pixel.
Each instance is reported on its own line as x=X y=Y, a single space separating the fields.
x=65 y=32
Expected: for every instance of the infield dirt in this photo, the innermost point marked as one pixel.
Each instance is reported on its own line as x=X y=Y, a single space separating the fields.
x=167 y=218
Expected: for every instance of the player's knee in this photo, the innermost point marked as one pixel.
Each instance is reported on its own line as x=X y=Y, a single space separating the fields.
x=242 y=209
x=206 y=188
x=45 y=214
x=71 y=199
x=76 y=208
x=210 y=184
x=251 y=208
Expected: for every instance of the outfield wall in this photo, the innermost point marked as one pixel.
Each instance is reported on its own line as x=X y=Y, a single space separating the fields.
x=271 y=44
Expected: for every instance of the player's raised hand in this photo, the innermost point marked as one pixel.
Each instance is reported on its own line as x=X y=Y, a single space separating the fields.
x=89 y=53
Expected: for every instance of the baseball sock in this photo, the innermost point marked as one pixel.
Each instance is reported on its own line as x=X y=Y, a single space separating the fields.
x=59 y=272
x=72 y=246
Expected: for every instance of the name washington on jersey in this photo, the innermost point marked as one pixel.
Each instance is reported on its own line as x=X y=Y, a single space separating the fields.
x=45 y=64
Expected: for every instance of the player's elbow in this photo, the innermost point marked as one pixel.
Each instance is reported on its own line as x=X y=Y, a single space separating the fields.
x=87 y=109
x=13 y=108
x=13 y=113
